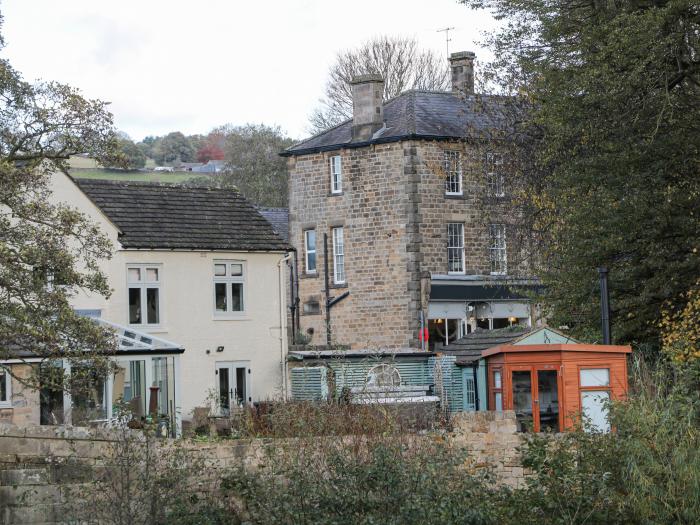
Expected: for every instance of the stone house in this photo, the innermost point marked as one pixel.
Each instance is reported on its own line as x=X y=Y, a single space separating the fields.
x=409 y=201
x=199 y=302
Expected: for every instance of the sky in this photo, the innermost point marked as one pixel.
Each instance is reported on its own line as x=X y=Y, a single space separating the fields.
x=176 y=65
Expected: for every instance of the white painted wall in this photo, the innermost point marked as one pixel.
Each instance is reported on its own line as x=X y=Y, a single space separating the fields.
x=187 y=308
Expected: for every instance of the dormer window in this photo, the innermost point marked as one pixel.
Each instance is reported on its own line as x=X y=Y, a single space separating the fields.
x=336 y=168
x=453 y=173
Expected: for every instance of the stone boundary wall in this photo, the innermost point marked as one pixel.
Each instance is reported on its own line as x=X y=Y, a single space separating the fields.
x=39 y=466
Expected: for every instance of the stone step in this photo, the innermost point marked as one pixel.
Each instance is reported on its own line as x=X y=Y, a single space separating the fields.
x=24 y=476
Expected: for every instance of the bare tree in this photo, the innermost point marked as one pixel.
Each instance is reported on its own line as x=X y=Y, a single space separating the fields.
x=400 y=61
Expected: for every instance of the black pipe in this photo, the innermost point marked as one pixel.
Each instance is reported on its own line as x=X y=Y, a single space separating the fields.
x=293 y=305
x=604 y=304
x=476 y=387
x=297 y=301
x=328 y=291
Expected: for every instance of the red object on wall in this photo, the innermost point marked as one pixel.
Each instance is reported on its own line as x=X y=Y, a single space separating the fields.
x=423 y=335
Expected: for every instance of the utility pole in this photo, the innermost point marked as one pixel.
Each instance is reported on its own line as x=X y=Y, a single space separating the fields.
x=446 y=30
x=604 y=304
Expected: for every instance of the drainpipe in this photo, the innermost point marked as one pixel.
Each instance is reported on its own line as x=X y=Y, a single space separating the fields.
x=283 y=322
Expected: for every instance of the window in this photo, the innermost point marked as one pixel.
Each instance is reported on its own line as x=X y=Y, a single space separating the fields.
x=455 y=248
x=453 y=173
x=499 y=261
x=338 y=256
x=312 y=307
x=595 y=396
x=228 y=287
x=144 y=294
x=336 y=174
x=497 y=391
x=495 y=178
x=310 y=250
x=5 y=388
x=383 y=375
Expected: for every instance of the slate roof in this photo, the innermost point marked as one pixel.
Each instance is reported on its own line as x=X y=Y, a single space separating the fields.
x=168 y=216
x=279 y=218
x=418 y=114
x=468 y=348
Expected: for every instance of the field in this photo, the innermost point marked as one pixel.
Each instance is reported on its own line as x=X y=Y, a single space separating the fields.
x=137 y=176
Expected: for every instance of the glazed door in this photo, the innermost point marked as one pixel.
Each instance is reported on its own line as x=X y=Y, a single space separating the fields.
x=233 y=386
x=536 y=398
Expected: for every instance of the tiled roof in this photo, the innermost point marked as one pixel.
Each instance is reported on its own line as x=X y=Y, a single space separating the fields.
x=418 y=114
x=168 y=216
x=468 y=348
x=279 y=218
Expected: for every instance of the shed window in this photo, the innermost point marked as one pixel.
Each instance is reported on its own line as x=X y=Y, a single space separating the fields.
x=595 y=396
x=497 y=391
x=229 y=281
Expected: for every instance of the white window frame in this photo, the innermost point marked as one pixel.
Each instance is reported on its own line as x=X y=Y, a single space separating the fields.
x=5 y=376
x=336 y=171
x=495 y=178
x=498 y=249
x=452 y=162
x=339 y=276
x=307 y=251
x=143 y=284
x=455 y=248
x=228 y=280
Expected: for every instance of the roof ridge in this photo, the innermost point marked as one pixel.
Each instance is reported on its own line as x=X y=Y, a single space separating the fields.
x=152 y=184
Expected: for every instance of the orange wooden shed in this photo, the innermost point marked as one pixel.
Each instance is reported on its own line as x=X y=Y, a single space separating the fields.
x=550 y=380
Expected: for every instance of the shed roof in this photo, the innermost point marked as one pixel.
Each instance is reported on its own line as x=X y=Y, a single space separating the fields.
x=169 y=216
x=469 y=348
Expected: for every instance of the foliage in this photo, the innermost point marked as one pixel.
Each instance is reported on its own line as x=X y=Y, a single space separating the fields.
x=212 y=147
x=134 y=158
x=402 y=64
x=48 y=252
x=680 y=330
x=173 y=148
x=613 y=150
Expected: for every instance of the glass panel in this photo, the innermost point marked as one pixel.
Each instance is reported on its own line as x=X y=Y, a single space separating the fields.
x=160 y=380
x=4 y=377
x=236 y=269
x=499 y=402
x=130 y=387
x=152 y=275
x=241 y=393
x=548 y=396
x=595 y=410
x=311 y=262
x=522 y=399
x=220 y=296
x=224 y=390
x=236 y=297
x=134 y=305
x=497 y=380
x=134 y=275
x=500 y=322
x=87 y=397
x=469 y=391
x=51 y=395
x=152 y=306
x=220 y=269
x=595 y=377
x=482 y=323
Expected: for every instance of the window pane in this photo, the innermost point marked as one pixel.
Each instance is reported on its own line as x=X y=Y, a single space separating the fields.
x=338 y=256
x=499 y=402
x=220 y=296
x=497 y=380
x=152 y=275
x=220 y=269
x=236 y=297
x=311 y=262
x=240 y=386
x=522 y=399
x=134 y=305
x=3 y=385
x=160 y=380
x=152 y=305
x=595 y=377
x=236 y=269
x=134 y=275
x=224 y=390
x=130 y=387
x=595 y=410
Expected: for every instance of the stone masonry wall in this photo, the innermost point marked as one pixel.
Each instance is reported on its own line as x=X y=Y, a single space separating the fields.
x=41 y=466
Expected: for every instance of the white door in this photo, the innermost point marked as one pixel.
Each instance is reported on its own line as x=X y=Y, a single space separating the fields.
x=233 y=384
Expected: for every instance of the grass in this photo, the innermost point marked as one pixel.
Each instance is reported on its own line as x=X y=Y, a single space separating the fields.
x=135 y=176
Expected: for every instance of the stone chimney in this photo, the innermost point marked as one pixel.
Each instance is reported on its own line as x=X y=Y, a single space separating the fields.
x=367 y=106
x=462 y=66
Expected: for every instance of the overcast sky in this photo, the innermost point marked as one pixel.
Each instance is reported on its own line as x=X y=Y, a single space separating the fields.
x=170 y=65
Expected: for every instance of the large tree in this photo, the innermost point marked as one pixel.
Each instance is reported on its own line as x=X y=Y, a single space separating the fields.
x=173 y=148
x=612 y=176
x=49 y=252
x=400 y=61
x=253 y=164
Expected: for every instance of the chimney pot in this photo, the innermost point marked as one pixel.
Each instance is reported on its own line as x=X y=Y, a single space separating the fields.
x=462 y=67
x=367 y=106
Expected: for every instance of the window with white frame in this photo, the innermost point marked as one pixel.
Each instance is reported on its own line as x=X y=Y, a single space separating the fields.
x=338 y=256
x=495 y=178
x=498 y=256
x=455 y=247
x=310 y=251
x=5 y=388
x=144 y=281
x=453 y=173
x=336 y=174
x=229 y=280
